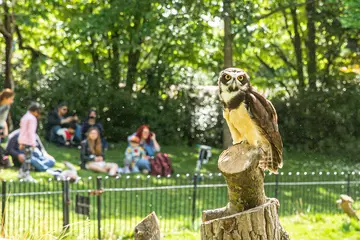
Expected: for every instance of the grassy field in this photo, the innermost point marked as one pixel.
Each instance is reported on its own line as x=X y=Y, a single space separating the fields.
x=184 y=160
x=299 y=226
x=310 y=227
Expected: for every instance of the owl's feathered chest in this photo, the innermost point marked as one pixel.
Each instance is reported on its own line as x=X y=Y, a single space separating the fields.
x=246 y=126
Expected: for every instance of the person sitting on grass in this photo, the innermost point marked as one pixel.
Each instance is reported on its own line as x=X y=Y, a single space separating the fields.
x=92 y=157
x=67 y=134
x=59 y=119
x=149 y=143
x=92 y=121
x=134 y=156
x=41 y=161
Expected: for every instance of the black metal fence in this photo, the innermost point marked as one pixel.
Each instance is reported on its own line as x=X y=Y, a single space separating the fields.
x=109 y=208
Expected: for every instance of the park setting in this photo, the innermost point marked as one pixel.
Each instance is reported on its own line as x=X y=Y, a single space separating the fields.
x=180 y=119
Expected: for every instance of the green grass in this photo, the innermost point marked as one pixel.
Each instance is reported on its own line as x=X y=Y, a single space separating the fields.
x=123 y=207
x=184 y=160
x=310 y=227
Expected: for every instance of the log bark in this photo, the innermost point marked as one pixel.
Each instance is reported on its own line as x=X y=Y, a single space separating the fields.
x=345 y=203
x=261 y=222
x=148 y=228
x=248 y=214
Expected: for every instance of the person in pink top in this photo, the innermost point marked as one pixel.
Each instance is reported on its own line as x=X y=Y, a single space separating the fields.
x=27 y=138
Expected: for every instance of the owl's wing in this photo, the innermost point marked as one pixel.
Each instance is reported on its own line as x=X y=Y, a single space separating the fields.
x=263 y=113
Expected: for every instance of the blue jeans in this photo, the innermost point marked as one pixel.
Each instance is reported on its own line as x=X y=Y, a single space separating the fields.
x=143 y=164
x=40 y=162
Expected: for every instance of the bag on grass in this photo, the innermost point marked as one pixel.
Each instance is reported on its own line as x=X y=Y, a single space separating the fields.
x=161 y=165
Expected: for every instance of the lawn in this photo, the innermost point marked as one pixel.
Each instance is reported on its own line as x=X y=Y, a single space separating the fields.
x=174 y=205
x=310 y=227
x=184 y=160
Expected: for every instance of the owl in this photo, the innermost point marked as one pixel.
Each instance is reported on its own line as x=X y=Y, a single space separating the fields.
x=251 y=118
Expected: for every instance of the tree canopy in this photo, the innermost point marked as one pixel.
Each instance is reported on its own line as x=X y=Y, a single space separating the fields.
x=137 y=60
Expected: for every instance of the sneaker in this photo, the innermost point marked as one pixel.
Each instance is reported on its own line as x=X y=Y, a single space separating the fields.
x=25 y=176
x=127 y=170
x=145 y=171
x=29 y=178
x=21 y=173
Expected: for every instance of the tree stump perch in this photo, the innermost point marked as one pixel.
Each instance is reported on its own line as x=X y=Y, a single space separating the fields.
x=148 y=228
x=248 y=214
x=345 y=202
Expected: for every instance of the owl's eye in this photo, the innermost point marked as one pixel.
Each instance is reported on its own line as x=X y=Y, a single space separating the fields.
x=227 y=77
x=240 y=78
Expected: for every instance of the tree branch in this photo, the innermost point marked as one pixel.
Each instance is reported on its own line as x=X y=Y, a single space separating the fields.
x=4 y=32
x=287 y=26
x=273 y=72
x=283 y=57
x=33 y=51
x=281 y=8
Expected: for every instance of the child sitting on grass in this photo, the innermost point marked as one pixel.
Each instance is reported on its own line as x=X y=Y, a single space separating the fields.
x=67 y=134
x=133 y=154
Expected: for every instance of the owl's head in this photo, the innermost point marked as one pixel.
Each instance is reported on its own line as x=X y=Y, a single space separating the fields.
x=233 y=82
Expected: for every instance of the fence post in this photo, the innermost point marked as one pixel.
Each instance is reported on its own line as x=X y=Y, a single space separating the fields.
x=194 y=199
x=66 y=202
x=99 y=188
x=348 y=184
x=3 y=202
x=276 y=186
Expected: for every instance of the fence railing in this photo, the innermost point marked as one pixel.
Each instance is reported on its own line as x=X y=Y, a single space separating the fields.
x=111 y=207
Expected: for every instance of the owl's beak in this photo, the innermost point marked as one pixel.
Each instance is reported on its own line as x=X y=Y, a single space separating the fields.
x=233 y=86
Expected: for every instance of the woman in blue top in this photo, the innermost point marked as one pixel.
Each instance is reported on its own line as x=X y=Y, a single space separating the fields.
x=149 y=143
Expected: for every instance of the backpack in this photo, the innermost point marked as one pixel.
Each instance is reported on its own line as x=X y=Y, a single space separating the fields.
x=161 y=165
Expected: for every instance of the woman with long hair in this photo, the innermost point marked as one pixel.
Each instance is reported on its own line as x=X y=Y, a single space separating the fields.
x=93 y=121
x=92 y=156
x=149 y=143
x=6 y=99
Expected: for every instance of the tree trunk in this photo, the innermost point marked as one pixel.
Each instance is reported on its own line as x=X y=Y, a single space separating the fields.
x=261 y=222
x=8 y=66
x=115 y=63
x=248 y=214
x=228 y=62
x=298 y=51
x=136 y=39
x=148 y=228
x=311 y=45
x=8 y=35
x=133 y=59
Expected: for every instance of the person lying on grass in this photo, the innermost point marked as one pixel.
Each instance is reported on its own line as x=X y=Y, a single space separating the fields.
x=92 y=156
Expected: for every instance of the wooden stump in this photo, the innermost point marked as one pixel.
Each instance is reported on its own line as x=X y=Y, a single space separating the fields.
x=148 y=228
x=345 y=203
x=248 y=214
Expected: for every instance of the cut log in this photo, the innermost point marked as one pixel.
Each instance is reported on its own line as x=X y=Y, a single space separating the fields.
x=148 y=228
x=345 y=203
x=261 y=222
x=245 y=180
x=248 y=214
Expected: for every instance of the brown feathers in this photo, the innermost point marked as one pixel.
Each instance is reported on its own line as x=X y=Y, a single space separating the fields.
x=250 y=116
x=264 y=114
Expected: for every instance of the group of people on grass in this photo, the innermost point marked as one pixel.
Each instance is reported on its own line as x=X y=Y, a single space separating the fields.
x=28 y=152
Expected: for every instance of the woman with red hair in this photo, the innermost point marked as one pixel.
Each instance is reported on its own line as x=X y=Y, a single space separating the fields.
x=149 y=143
